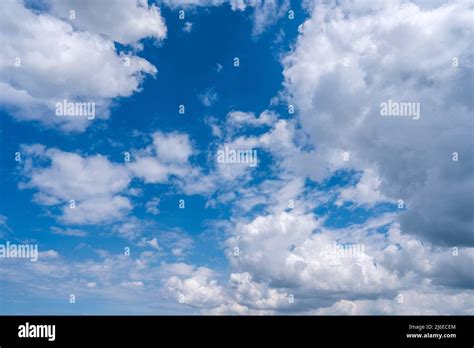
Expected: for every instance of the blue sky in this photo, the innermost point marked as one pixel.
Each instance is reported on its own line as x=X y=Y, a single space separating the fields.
x=249 y=240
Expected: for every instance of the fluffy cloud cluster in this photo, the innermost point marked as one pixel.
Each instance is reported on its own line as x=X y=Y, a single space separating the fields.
x=237 y=118
x=366 y=191
x=285 y=260
x=168 y=155
x=137 y=19
x=195 y=286
x=43 y=57
x=289 y=263
x=277 y=140
x=350 y=58
x=100 y=189
x=93 y=183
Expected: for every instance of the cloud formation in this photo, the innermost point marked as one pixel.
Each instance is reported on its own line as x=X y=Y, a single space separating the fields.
x=344 y=67
x=43 y=63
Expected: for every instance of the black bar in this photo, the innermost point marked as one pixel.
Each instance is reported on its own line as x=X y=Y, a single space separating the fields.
x=222 y=330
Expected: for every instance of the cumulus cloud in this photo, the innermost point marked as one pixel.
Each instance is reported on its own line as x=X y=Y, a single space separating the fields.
x=236 y=118
x=366 y=191
x=289 y=255
x=285 y=264
x=286 y=260
x=195 y=287
x=167 y=156
x=137 y=19
x=278 y=141
x=150 y=169
x=173 y=147
x=93 y=190
x=94 y=184
x=386 y=53
x=43 y=63
x=284 y=250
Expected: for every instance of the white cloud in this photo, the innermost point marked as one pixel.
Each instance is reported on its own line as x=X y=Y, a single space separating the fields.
x=381 y=53
x=4 y=228
x=256 y=295
x=188 y=27
x=366 y=191
x=68 y=232
x=173 y=147
x=290 y=253
x=53 y=68
x=238 y=5
x=150 y=170
x=92 y=189
x=137 y=19
x=208 y=98
x=286 y=250
x=94 y=183
x=236 y=118
x=267 y=12
x=196 y=289
x=177 y=242
x=49 y=254
x=131 y=228
x=167 y=156
x=151 y=242
x=278 y=141
x=97 y=210
x=152 y=206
